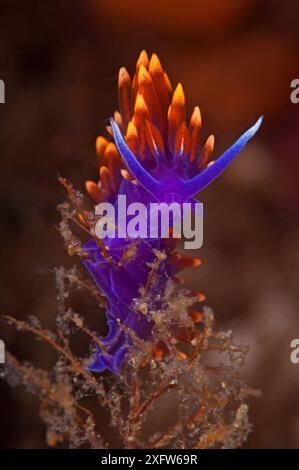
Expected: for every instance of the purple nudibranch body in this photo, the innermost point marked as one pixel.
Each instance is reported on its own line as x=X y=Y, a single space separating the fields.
x=159 y=159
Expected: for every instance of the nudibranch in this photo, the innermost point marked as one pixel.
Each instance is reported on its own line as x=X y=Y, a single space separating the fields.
x=151 y=153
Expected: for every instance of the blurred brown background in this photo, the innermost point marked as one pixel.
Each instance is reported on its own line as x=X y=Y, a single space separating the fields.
x=236 y=59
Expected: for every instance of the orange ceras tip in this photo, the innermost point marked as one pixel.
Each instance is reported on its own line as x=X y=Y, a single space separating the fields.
x=147 y=89
x=178 y=280
x=101 y=144
x=118 y=119
x=82 y=220
x=157 y=149
x=200 y=296
x=94 y=191
x=163 y=89
x=124 y=94
x=155 y=67
x=126 y=175
x=132 y=138
x=154 y=140
x=179 y=97
x=168 y=83
x=176 y=114
x=142 y=60
x=112 y=159
x=182 y=356
x=182 y=141
x=180 y=261
x=159 y=351
x=141 y=113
